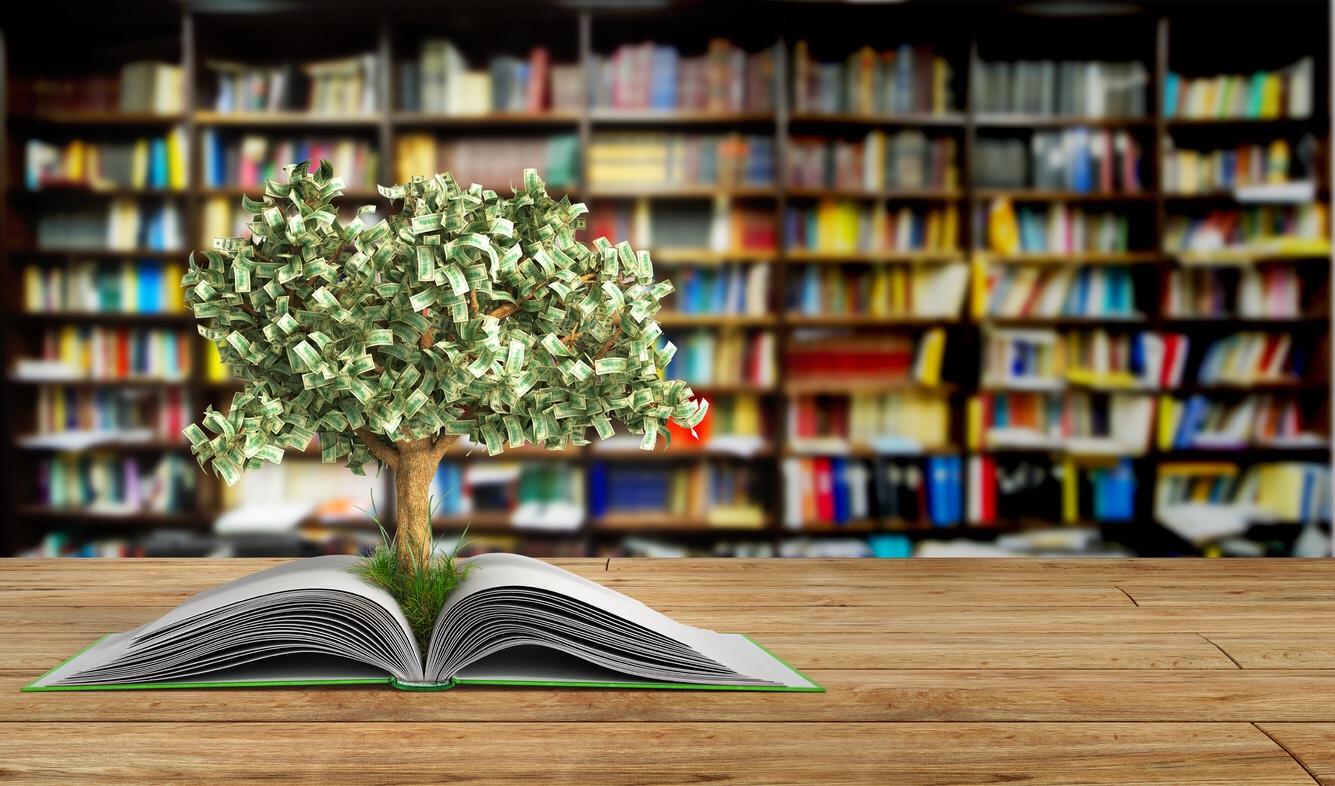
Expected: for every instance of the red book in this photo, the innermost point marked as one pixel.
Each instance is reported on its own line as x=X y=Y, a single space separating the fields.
x=1170 y=350
x=824 y=489
x=537 y=79
x=1106 y=161
x=122 y=354
x=988 y=488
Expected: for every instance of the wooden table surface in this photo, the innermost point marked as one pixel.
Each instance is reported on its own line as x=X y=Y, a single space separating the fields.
x=937 y=672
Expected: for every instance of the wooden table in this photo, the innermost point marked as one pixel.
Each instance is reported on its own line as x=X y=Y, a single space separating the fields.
x=937 y=671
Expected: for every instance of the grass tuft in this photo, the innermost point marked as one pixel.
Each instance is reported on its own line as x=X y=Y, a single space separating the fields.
x=420 y=594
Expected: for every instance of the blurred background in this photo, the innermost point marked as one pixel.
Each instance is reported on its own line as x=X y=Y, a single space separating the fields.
x=1036 y=278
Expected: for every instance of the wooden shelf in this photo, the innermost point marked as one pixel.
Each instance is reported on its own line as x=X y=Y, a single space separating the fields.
x=673 y=319
x=155 y=446
x=1260 y=122
x=867 y=320
x=1071 y=321
x=103 y=383
x=931 y=194
x=871 y=257
x=107 y=317
x=1076 y=258
x=285 y=119
x=1018 y=120
x=678 y=452
x=663 y=523
x=1036 y=195
x=429 y=120
x=704 y=256
x=924 y=119
x=871 y=453
x=681 y=192
x=88 y=192
x=76 y=516
x=98 y=119
x=676 y=117
x=151 y=253
x=854 y=385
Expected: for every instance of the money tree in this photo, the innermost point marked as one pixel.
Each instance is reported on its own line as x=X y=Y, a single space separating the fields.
x=466 y=313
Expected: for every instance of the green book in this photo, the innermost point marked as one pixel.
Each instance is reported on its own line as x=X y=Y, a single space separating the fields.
x=512 y=621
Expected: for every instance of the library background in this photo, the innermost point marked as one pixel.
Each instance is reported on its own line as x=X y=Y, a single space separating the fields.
x=957 y=279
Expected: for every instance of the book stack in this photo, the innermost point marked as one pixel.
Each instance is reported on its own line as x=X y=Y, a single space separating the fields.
x=839 y=492
x=497 y=164
x=1191 y=171
x=113 y=413
x=246 y=161
x=1264 y=420
x=725 y=79
x=649 y=160
x=717 y=493
x=1254 y=357
x=730 y=289
x=121 y=224
x=1033 y=359
x=145 y=286
x=151 y=87
x=1285 y=92
x=346 y=86
x=849 y=226
x=1058 y=228
x=1081 y=422
x=1268 y=230
x=905 y=159
x=1080 y=160
x=1251 y=293
x=889 y=291
x=1221 y=494
x=157 y=163
x=440 y=82
x=1066 y=88
x=723 y=358
x=98 y=352
x=1049 y=292
x=833 y=357
x=117 y=485
x=899 y=421
x=905 y=80
x=722 y=225
x=525 y=494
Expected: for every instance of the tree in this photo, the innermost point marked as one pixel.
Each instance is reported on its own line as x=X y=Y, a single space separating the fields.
x=466 y=313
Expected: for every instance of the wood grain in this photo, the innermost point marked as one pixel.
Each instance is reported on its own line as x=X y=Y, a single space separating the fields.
x=937 y=671
x=1311 y=744
x=648 y=753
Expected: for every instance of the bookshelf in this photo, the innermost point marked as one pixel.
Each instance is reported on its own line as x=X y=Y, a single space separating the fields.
x=775 y=120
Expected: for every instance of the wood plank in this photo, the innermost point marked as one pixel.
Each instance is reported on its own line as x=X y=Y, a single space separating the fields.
x=1299 y=649
x=762 y=620
x=35 y=653
x=1311 y=744
x=1305 y=593
x=659 y=595
x=668 y=753
x=866 y=696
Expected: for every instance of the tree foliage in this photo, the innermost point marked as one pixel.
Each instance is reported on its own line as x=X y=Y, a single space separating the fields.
x=466 y=313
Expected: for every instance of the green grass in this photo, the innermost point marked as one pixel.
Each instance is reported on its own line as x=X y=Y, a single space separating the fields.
x=420 y=594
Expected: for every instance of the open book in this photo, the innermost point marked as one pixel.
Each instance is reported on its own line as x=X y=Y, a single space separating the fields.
x=512 y=621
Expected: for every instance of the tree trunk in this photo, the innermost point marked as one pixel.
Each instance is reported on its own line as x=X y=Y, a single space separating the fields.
x=412 y=486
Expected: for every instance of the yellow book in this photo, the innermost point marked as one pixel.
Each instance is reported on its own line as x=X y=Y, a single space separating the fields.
x=880 y=292
x=898 y=291
x=1169 y=411
x=139 y=164
x=59 y=412
x=932 y=239
x=176 y=158
x=215 y=369
x=978 y=285
x=1227 y=468
x=172 y=273
x=76 y=155
x=746 y=415
x=931 y=350
x=950 y=229
x=1270 y=96
x=940 y=77
x=129 y=287
x=974 y=423
x=1070 y=492
x=1003 y=231
x=33 y=295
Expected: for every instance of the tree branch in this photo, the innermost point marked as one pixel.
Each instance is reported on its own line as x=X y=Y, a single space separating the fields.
x=439 y=447
x=386 y=453
x=615 y=335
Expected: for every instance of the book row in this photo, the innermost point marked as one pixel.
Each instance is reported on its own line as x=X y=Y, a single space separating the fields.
x=1063 y=88
x=1079 y=159
x=892 y=422
x=1272 y=292
x=840 y=491
x=540 y=495
x=1285 y=92
x=719 y=494
x=723 y=358
x=725 y=78
x=722 y=224
x=853 y=226
x=1055 y=228
x=918 y=291
x=1015 y=487
x=246 y=161
x=1265 y=420
x=1225 y=496
x=440 y=81
x=1277 y=229
x=899 y=81
x=142 y=87
x=345 y=86
x=1049 y=359
x=117 y=485
x=657 y=160
x=145 y=286
x=837 y=356
x=152 y=162
x=121 y=414
x=121 y=224
x=905 y=159
x=75 y=352
x=730 y=289
x=1025 y=291
x=1190 y=171
x=1081 y=422
x=495 y=163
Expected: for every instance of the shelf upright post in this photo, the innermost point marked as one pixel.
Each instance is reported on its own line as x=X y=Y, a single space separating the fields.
x=587 y=540
x=780 y=400
x=210 y=490
x=9 y=537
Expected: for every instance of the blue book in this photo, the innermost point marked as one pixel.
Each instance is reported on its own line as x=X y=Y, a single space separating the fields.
x=940 y=508
x=1171 y=88
x=1115 y=492
x=839 y=480
x=663 y=78
x=890 y=545
x=1137 y=359
x=811 y=290
x=157 y=167
x=904 y=79
x=1001 y=410
x=1081 y=169
x=597 y=490
x=149 y=297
